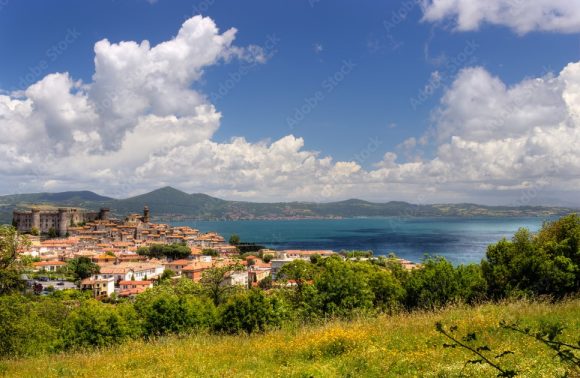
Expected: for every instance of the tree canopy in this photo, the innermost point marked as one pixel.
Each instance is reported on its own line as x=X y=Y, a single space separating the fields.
x=82 y=267
x=10 y=266
x=173 y=251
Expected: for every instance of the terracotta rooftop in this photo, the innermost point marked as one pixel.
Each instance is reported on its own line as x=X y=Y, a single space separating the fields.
x=137 y=283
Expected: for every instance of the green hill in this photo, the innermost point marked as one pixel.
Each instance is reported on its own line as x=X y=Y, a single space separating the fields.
x=170 y=203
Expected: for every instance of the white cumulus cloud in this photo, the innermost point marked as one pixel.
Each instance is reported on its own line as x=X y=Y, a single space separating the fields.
x=140 y=124
x=522 y=16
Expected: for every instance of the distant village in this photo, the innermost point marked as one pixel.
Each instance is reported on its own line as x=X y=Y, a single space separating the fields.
x=59 y=235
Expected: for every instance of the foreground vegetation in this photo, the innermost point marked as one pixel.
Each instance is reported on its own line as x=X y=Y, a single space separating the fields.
x=384 y=346
x=385 y=318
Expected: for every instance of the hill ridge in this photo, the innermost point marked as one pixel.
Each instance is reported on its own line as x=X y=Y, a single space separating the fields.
x=170 y=203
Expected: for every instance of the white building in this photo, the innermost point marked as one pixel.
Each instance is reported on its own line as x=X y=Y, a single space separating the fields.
x=277 y=263
x=237 y=279
x=131 y=271
x=101 y=287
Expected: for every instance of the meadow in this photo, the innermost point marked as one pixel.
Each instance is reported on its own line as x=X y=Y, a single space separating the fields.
x=401 y=345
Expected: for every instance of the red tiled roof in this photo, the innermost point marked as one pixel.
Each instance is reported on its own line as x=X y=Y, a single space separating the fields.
x=138 y=283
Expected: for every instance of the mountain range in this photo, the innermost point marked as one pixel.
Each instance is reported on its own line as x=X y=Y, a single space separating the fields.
x=171 y=204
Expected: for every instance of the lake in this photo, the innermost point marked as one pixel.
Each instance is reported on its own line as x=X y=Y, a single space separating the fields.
x=460 y=240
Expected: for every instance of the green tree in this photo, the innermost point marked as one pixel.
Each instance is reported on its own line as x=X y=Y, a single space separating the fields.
x=95 y=324
x=299 y=271
x=213 y=282
x=34 y=231
x=28 y=327
x=82 y=267
x=176 y=251
x=315 y=259
x=472 y=284
x=267 y=258
x=166 y=275
x=174 y=307
x=10 y=267
x=266 y=283
x=357 y=254
x=234 y=239
x=248 y=312
x=432 y=286
x=173 y=251
x=535 y=265
x=173 y=314
x=210 y=252
x=342 y=291
x=387 y=290
x=52 y=233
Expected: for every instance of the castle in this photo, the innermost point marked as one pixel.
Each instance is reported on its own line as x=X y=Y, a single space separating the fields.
x=45 y=219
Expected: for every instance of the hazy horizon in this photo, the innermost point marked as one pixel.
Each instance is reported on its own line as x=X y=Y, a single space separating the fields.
x=517 y=204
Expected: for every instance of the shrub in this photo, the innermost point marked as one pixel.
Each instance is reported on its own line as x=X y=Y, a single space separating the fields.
x=248 y=312
x=341 y=289
x=546 y=264
x=24 y=329
x=165 y=310
x=432 y=286
x=94 y=324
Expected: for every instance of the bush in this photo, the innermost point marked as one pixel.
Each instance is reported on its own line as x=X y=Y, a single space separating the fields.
x=248 y=312
x=434 y=285
x=341 y=289
x=173 y=309
x=387 y=290
x=25 y=330
x=173 y=251
x=546 y=264
x=95 y=324
x=472 y=283
x=82 y=267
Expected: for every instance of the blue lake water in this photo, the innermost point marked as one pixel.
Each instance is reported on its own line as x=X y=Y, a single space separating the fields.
x=460 y=240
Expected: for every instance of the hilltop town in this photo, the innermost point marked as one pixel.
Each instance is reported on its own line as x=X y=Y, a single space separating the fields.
x=116 y=246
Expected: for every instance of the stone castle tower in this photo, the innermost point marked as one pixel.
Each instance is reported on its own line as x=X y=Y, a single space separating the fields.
x=43 y=219
x=146 y=215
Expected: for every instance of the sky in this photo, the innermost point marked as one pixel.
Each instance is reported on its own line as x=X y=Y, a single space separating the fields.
x=426 y=101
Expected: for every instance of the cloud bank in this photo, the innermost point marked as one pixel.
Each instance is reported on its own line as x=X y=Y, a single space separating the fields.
x=522 y=16
x=140 y=124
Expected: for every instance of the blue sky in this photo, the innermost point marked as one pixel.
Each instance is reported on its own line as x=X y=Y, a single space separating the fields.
x=389 y=59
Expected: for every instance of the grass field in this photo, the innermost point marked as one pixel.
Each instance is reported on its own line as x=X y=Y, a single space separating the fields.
x=387 y=346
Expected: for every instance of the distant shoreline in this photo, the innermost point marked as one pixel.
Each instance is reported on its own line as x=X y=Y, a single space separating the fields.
x=468 y=216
